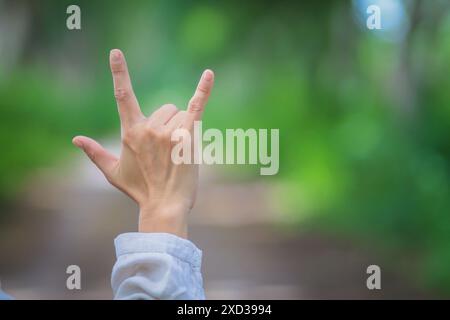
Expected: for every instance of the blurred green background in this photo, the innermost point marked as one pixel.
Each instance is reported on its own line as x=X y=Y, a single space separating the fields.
x=364 y=115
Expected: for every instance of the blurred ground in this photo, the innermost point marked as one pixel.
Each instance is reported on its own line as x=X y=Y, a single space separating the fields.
x=66 y=219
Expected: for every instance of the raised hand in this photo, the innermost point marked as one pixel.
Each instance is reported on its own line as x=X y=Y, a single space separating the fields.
x=164 y=191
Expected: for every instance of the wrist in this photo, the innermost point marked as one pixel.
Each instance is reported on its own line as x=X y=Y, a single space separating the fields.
x=164 y=219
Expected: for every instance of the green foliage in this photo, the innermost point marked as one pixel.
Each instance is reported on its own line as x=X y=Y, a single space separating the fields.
x=39 y=118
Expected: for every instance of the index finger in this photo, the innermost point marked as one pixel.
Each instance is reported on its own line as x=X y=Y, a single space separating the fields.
x=127 y=103
x=200 y=98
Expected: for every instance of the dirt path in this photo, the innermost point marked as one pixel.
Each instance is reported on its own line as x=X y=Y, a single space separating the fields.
x=73 y=219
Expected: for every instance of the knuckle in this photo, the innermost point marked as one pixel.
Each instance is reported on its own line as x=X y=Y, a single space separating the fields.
x=160 y=135
x=195 y=105
x=122 y=94
x=169 y=107
x=117 y=68
x=127 y=138
x=93 y=156
x=149 y=131
x=166 y=135
x=203 y=89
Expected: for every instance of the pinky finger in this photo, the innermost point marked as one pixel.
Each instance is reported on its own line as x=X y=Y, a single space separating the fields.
x=200 y=98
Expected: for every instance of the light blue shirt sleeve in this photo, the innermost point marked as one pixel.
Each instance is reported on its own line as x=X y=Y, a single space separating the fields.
x=156 y=266
x=4 y=296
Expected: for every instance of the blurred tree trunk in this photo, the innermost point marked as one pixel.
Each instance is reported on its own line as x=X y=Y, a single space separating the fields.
x=407 y=83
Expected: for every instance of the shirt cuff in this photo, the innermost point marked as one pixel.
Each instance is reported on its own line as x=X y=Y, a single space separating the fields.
x=165 y=243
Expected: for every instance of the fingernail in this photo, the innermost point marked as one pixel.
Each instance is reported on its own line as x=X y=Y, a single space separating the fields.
x=115 y=55
x=77 y=143
x=208 y=75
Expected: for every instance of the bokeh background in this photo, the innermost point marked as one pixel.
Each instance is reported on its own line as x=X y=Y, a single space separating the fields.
x=364 y=119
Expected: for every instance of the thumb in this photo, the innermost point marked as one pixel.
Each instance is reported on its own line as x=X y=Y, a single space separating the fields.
x=104 y=160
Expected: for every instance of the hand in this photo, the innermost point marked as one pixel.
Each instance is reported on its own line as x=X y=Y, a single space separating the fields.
x=164 y=191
